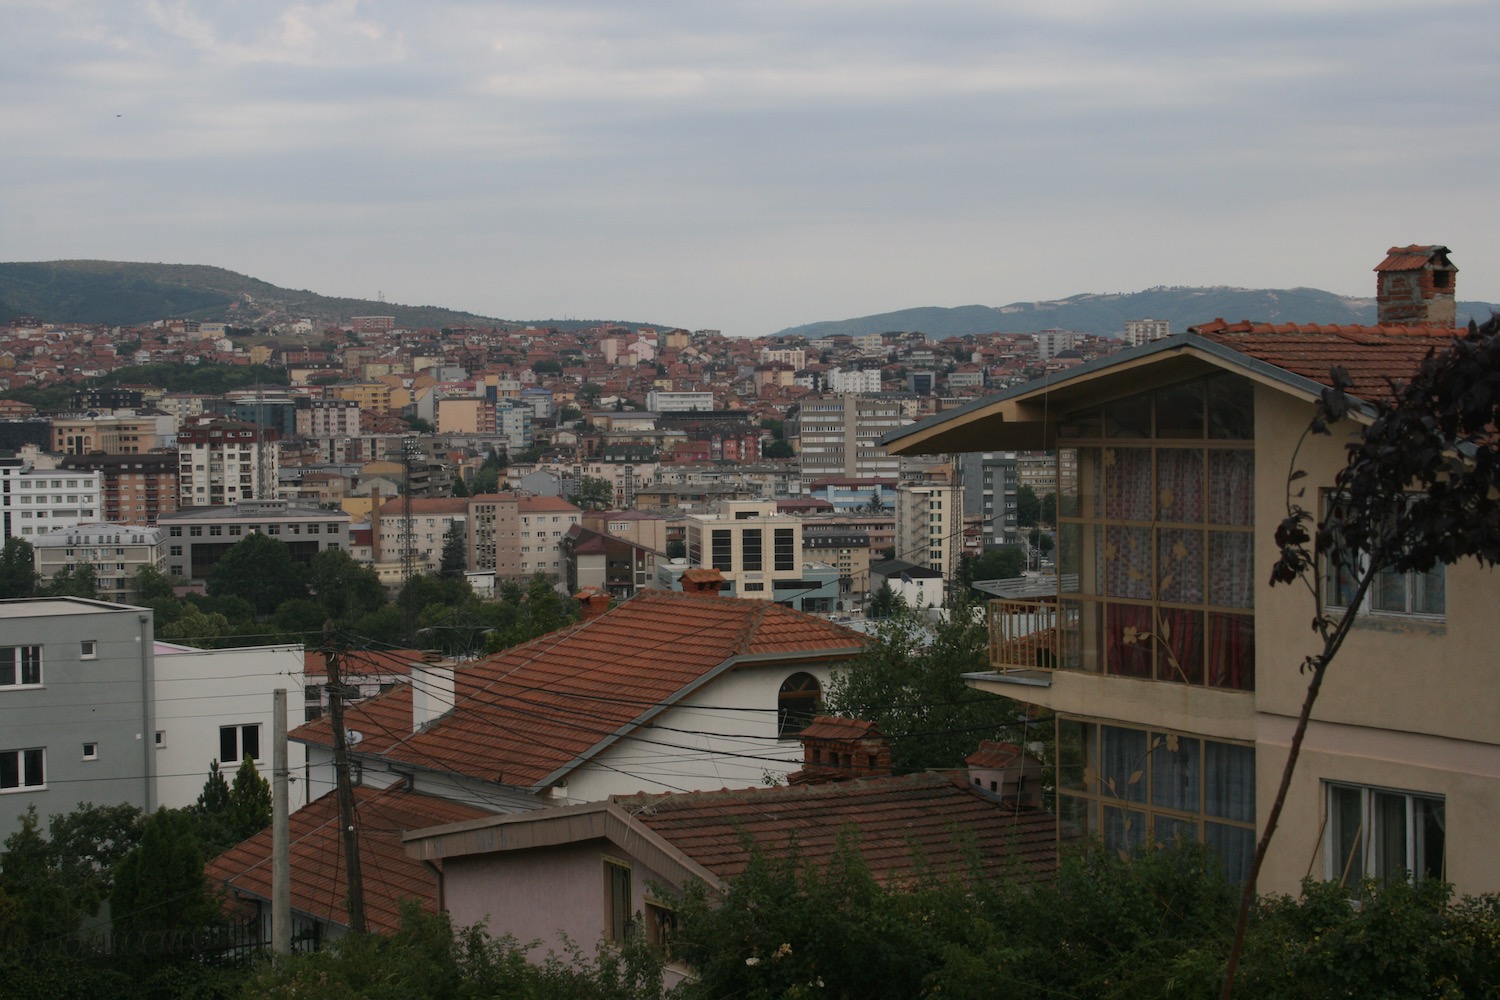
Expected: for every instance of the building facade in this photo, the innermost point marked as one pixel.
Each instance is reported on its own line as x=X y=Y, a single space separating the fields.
x=115 y=551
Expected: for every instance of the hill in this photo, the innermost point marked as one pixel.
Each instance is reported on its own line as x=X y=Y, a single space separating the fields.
x=115 y=293
x=1105 y=315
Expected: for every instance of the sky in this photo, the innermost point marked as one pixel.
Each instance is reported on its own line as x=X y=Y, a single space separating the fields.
x=749 y=165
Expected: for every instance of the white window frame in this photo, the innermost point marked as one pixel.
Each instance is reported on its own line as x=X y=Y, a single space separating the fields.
x=88 y=649
x=1414 y=586
x=1371 y=861
x=18 y=667
x=91 y=751
x=239 y=730
x=20 y=766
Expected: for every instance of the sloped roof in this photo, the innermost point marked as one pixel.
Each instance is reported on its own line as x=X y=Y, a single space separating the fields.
x=528 y=715
x=362 y=663
x=318 y=887
x=1412 y=258
x=834 y=727
x=992 y=753
x=902 y=823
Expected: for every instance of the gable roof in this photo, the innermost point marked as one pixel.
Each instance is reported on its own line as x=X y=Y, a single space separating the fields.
x=1293 y=357
x=527 y=716
x=318 y=888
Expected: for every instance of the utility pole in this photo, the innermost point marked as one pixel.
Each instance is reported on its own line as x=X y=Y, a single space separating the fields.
x=281 y=860
x=352 y=877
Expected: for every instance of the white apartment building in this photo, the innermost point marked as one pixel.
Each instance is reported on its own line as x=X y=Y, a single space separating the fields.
x=116 y=551
x=226 y=461
x=1142 y=331
x=329 y=418
x=34 y=501
x=662 y=401
x=838 y=435
x=864 y=380
x=544 y=522
x=929 y=526
x=794 y=356
x=755 y=548
x=1051 y=343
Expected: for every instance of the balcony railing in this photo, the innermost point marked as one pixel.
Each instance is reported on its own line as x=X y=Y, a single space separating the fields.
x=1023 y=633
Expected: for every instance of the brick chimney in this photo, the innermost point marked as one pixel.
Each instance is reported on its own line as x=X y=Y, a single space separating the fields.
x=702 y=581
x=1414 y=286
x=592 y=602
x=835 y=749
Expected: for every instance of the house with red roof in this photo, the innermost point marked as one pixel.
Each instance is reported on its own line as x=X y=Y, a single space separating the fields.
x=1173 y=669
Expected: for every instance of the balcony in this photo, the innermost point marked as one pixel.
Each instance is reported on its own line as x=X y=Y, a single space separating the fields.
x=1023 y=633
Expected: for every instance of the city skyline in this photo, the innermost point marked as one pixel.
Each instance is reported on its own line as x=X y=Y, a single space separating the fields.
x=752 y=167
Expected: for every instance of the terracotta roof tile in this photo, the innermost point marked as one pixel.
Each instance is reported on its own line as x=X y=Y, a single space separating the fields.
x=364 y=662
x=927 y=820
x=1377 y=358
x=318 y=886
x=523 y=714
x=833 y=727
x=993 y=754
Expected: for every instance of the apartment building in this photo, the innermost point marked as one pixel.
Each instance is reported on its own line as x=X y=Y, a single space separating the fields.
x=115 y=551
x=1143 y=331
x=224 y=462
x=929 y=526
x=198 y=537
x=839 y=435
x=113 y=435
x=1171 y=665
x=990 y=482
x=34 y=501
x=320 y=419
x=492 y=527
x=544 y=522
x=663 y=401
x=137 y=488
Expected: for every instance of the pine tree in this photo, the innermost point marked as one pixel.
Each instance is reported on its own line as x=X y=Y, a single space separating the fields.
x=249 y=802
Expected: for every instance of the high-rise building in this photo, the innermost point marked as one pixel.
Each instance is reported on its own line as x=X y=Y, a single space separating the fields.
x=1143 y=331
x=137 y=488
x=990 y=483
x=224 y=462
x=929 y=525
x=34 y=501
x=839 y=435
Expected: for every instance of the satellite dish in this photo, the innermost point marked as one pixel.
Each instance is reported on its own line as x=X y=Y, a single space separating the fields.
x=352 y=737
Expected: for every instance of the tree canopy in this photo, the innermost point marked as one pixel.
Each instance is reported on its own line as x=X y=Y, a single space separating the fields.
x=259 y=569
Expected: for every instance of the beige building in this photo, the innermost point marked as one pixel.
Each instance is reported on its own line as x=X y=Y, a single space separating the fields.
x=118 y=435
x=116 y=551
x=838 y=435
x=754 y=547
x=1173 y=668
x=929 y=525
x=494 y=526
x=544 y=522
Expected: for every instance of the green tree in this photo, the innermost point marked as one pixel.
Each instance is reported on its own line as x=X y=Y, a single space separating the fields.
x=778 y=449
x=909 y=682
x=677 y=549
x=18 y=576
x=345 y=588
x=885 y=602
x=487 y=480
x=594 y=493
x=196 y=628
x=258 y=569
x=460 y=488
x=1003 y=563
x=151 y=584
x=249 y=802
x=159 y=886
x=1028 y=507
x=455 y=558
x=77 y=580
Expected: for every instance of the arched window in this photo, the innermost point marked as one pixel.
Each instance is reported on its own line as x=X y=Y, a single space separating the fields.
x=796 y=704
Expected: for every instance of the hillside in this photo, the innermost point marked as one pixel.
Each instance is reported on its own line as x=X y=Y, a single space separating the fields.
x=115 y=293
x=1105 y=315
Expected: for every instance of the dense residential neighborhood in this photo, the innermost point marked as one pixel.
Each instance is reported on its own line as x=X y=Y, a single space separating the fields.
x=590 y=635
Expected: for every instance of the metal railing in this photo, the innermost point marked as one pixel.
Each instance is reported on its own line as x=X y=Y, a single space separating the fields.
x=1024 y=633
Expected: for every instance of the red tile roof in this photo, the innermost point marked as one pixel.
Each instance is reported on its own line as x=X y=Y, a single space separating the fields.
x=318 y=886
x=1376 y=357
x=1409 y=258
x=359 y=663
x=993 y=754
x=523 y=715
x=536 y=505
x=905 y=825
x=833 y=727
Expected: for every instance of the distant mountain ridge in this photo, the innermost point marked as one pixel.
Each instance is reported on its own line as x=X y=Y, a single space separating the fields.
x=1105 y=314
x=120 y=293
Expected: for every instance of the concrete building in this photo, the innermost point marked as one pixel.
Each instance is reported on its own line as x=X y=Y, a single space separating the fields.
x=224 y=462
x=544 y=522
x=34 y=501
x=663 y=401
x=1168 y=660
x=1143 y=331
x=856 y=380
x=929 y=526
x=198 y=537
x=839 y=435
x=327 y=419
x=114 y=435
x=137 y=488
x=492 y=528
x=77 y=715
x=758 y=551
x=115 y=551
x=990 y=481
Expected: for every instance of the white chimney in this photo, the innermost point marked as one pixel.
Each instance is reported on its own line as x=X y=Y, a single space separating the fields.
x=431 y=692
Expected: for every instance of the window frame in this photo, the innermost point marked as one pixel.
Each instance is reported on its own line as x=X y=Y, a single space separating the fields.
x=239 y=729
x=619 y=915
x=18 y=673
x=23 y=764
x=1371 y=852
x=1413 y=584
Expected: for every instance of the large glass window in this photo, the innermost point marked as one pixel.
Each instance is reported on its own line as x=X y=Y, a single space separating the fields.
x=1131 y=786
x=1156 y=521
x=1391 y=593
x=23 y=769
x=723 y=558
x=750 y=549
x=20 y=665
x=1384 y=834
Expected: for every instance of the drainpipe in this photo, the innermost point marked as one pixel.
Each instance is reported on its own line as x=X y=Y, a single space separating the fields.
x=148 y=709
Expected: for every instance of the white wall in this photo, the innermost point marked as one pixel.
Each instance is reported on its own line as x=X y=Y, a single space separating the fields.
x=199 y=690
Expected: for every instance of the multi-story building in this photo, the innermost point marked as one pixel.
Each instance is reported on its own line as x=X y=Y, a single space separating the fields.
x=1171 y=664
x=1143 y=331
x=373 y=397
x=857 y=380
x=327 y=419
x=1051 y=343
x=113 y=435
x=198 y=537
x=839 y=435
x=990 y=481
x=544 y=522
x=663 y=401
x=492 y=526
x=757 y=550
x=224 y=462
x=929 y=525
x=33 y=501
x=137 y=488
x=115 y=551
x=431 y=519
x=846 y=550
x=77 y=720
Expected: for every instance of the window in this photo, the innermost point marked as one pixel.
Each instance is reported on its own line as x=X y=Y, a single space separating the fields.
x=796 y=704
x=88 y=649
x=238 y=742
x=234 y=529
x=786 y=549
x=750 y=548
x=619 y=912
x=722 y=550
x=1383 y=834
x=91 y=751
x=1132 y=785
x=661 y=926
x=20 y=666
x=176 y=550
x=22 y=769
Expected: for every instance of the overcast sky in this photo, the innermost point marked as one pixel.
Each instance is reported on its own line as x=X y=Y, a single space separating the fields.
x=753 y=165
